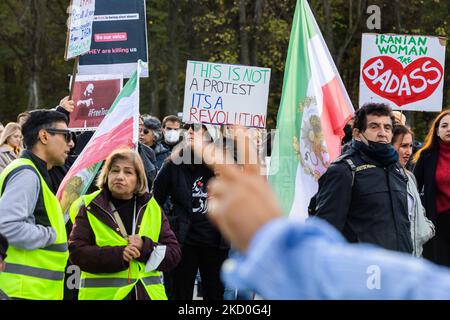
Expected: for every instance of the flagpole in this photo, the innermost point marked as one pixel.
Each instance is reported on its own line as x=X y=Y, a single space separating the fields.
x=136 y=116
x=74 y=76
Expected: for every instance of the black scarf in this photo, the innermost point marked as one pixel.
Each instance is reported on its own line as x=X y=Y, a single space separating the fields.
x=383 y=153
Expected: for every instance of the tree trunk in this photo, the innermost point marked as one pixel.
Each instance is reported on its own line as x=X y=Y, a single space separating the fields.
x=37 y=13
x=397 y=15
x=243 y=34
x=259 y=4
x=172 y=59
x=155 y=108
x=328 y=27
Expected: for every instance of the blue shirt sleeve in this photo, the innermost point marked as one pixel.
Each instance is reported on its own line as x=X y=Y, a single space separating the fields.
x=289 y=260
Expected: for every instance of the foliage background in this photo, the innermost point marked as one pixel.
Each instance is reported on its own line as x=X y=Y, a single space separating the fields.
x=33 y=73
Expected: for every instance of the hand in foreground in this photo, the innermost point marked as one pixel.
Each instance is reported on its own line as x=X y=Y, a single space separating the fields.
x=68 y=105
x=136 y=241
x=240 y=200
x=130 y=252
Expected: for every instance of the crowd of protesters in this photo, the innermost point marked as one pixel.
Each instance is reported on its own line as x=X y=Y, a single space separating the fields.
x=142 y=231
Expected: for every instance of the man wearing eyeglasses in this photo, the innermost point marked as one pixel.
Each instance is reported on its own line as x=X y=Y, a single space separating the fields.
x=30 y=215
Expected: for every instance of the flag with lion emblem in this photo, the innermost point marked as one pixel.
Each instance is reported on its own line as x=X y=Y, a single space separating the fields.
x=313 y=112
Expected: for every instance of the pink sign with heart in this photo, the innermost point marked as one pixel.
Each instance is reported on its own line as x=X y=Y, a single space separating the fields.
x=389 y=79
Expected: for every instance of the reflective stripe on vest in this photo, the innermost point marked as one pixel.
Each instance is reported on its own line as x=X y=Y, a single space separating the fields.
x=42 y=269
x=117 y=282
x=34 y=272
x=116 y=286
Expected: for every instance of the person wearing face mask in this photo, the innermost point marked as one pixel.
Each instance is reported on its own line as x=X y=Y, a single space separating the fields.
x=171 y=127
x=364 y=192
x=422 y=229
x=151 y=135
x=433 y=181
x=348 y=136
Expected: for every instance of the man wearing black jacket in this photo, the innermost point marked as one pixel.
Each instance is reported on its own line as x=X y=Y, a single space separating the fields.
x=363 y=193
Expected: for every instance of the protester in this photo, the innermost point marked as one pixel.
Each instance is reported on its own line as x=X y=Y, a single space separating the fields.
x=30 y=213
x=10 y=144
x=363 y=193
x=152 y=136
x=3 y=249
x=121 y=240
x=57 y=173
x=148 y=157
x=422 y=229
x=399 y=118
x=183 y=180
x=433 y=181
x=171 y=126
x=284 y=259
x=22 y=117
x=348 y=136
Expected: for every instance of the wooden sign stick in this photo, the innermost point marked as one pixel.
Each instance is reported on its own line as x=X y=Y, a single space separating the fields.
x=74 y=76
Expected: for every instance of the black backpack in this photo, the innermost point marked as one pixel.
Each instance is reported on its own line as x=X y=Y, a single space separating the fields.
x=313 y=202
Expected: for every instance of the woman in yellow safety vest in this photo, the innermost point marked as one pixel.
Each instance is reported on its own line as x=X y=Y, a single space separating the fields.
x=120 y=239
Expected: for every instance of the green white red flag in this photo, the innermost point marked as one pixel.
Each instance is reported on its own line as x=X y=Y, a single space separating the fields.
x=313 y=112
x=119 y=129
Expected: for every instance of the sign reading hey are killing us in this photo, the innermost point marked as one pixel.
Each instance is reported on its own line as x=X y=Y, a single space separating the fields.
x=119 y=39
x=225 y=94
x=407 y=72
x=79 y=28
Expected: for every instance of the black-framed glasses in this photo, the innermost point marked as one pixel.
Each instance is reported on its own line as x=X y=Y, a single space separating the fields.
x=66 y=133
x=194 y=126
x=145 y=131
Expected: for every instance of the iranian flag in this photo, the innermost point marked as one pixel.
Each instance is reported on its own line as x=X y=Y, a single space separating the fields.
x=119 y=129
x=313 y=112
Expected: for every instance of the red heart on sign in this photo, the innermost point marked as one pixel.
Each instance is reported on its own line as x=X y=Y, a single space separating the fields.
x=387 y=78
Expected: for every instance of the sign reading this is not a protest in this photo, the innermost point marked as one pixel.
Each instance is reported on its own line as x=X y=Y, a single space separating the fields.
x=225 y=94
x=407 y=72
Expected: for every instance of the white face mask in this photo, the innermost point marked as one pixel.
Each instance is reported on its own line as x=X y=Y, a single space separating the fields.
x=172 y=136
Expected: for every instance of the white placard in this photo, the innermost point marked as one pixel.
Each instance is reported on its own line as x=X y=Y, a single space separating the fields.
x=407 y=72
x=226 y=94
x=79 y=32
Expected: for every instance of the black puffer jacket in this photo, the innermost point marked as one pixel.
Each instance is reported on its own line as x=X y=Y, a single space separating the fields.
x=374 y=210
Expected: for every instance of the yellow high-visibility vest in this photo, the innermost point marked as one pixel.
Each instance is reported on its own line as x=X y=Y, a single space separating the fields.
x=37 y=274
x=116 y=286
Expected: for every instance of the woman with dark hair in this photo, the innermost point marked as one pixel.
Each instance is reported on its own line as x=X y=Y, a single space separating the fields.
x=120 y=239
x=433 y=181
x=422 y=229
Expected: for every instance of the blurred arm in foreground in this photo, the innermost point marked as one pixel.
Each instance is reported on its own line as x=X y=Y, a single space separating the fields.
x=284 y=259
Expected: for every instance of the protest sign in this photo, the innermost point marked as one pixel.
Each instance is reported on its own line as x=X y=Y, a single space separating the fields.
x=118 y=130
x=93 y=96
x=79 y=28
x=226 y=94
x=407 y=72
x=119 y=39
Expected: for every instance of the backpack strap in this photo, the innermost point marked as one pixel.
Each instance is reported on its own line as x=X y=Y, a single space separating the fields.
x=352 y=168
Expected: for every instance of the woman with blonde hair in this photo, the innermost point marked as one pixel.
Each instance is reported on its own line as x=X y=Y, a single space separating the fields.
x=10 y=142
x=120 y=239
x=433 y=182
